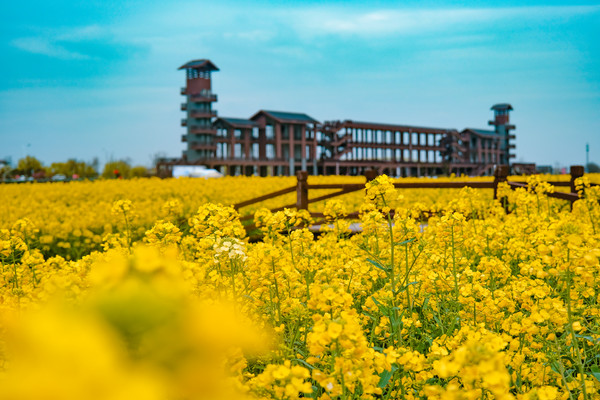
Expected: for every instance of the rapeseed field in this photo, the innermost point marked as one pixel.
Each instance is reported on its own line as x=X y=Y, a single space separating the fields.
x=150 y=289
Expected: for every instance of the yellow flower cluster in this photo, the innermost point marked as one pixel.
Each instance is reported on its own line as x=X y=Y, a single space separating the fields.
x=73 y=218
x=169 y=299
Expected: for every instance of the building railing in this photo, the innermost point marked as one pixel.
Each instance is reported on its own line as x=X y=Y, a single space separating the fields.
x=203 y=97
x=198 y=129
x=203 y=113
x=202 y=146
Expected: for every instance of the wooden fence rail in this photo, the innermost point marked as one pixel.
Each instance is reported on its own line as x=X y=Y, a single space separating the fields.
x=302 y=188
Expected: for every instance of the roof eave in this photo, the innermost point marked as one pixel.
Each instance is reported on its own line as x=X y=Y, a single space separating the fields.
x=208 y=65
x=288 y=120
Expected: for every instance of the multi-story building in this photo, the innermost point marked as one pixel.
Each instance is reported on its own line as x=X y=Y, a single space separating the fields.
x=281 y=143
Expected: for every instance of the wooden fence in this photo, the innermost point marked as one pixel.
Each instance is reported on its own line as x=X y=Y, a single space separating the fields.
x=302 y=189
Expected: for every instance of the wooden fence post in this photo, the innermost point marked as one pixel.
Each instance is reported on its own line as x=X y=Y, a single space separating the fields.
x=371 y=174
x=576 y=172
x=500 y=175
x=302 y=190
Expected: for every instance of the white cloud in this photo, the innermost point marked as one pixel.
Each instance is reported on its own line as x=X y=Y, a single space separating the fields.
x=82 y=33
x=51 y=41
x=47 y=47
x=323 y=21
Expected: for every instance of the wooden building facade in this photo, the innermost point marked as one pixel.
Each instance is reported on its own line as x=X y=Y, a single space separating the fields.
x=282 y=143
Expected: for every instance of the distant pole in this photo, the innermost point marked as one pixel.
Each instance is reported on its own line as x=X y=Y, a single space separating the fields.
x=587 y=157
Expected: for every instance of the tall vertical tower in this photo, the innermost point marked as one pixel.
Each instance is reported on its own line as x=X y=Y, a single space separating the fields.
x=200 y=134
x=503 y=127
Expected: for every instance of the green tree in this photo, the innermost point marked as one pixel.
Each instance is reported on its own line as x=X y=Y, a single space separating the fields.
x=28 y=166
x=72 y=168
x=4 y=172
x=116 y=169
x=593 y=167
x=139 y=171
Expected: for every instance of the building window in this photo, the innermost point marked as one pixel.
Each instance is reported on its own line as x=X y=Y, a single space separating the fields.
x=270 y=151
x=297 y=132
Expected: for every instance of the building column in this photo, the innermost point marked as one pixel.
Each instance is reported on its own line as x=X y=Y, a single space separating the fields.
x=303 y=147
x=291 y=133
x=231 y=134
x=247 y=133
x=277 y=129
x=410 y=147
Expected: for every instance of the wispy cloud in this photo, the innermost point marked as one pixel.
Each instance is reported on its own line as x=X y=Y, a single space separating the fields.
x=47 y=47
x=336 y=21
x=82 y=33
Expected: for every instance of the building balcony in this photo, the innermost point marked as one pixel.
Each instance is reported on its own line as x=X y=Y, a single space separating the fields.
x=512 y=136
x=202 y=130
x=184 y=138
x=203 y=146
x=203 y=97
x=183 y=106
x=184 y=122
x=202 y=114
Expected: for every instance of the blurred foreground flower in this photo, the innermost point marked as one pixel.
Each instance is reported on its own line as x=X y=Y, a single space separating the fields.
x=138 y=334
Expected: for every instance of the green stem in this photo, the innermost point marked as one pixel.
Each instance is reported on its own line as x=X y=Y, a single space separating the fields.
x=573 y=337
x=454 y=264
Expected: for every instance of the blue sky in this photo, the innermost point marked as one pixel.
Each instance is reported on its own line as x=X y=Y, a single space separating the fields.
x=99 y=78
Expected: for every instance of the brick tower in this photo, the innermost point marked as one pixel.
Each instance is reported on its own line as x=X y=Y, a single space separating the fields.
x=503 y=127
x=200 y=134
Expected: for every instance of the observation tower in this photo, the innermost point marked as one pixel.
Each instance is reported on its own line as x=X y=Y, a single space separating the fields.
x=503 y=127
x=200 y=133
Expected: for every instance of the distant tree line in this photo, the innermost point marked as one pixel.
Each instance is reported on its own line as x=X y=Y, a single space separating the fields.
x=29 y=168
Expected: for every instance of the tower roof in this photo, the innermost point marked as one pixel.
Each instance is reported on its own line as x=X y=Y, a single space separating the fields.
x=201 y=65
x=501 y=106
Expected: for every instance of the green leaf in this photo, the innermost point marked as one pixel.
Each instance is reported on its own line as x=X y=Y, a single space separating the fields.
x=378 y=265
x=382 y=307
x=385 y=376
x=595 y=372
x=407 y=241
x=368 y=314
x=304 y=363
x=591 y=339
x=376 y=301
